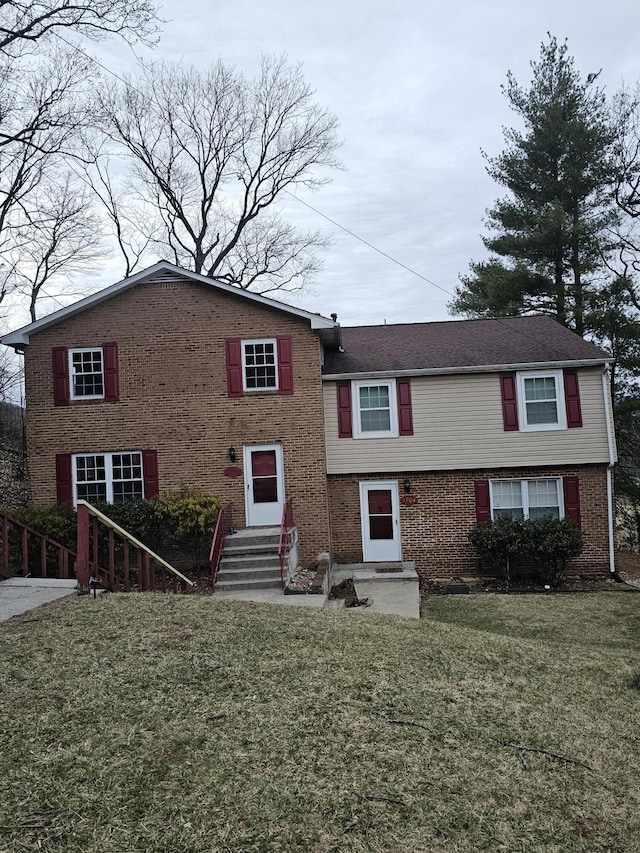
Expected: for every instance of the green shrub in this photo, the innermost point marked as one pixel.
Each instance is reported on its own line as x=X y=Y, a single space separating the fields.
x=138 y=517
x=498 y=543
x=178 y=526
x=188 y=517
x=543 y=546
x=57 y=522
x=190 y=510
x=553 y=543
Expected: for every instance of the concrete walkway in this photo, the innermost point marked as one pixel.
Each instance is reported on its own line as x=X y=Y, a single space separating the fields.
x=19 y=595
x=396 y=593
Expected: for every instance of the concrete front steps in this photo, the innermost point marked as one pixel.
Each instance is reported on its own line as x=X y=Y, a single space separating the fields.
x=250 y=560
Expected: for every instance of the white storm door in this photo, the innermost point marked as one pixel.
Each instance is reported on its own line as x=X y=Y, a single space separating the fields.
x=264 y=484
x=380 y=521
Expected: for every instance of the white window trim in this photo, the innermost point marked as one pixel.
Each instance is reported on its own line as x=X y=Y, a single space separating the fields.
x=72 y=394
x=356 y=385
x=525 y=492
x=108 y=470
x=557 y=375
x=244 y=364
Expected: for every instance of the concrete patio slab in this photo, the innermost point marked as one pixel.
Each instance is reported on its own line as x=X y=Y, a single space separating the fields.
x=19 y=595
x=393 y=592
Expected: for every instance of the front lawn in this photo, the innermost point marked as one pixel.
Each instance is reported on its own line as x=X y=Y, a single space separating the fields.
x=186 y=724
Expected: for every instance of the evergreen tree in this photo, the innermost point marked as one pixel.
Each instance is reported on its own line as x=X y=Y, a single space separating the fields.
x=550 y=231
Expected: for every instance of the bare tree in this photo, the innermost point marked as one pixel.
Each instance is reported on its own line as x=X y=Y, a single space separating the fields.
x=23 y=23
x=626 y=152
x=126 y=215
x=213 y=152
x=65 y=238
x=41 y=112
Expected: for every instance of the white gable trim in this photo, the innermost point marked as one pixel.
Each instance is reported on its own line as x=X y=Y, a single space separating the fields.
x=20 y=337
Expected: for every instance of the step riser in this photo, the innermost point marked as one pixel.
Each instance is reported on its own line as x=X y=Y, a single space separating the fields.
x=241 y=563
x=238 y=541
x=250 y=553
x=249 y=575
x=235 y=587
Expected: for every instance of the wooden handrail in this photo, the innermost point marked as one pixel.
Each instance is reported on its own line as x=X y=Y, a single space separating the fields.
x=82 y=570
x=64 y=553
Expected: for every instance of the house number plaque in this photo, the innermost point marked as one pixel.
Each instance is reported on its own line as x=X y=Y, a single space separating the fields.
x=233 y=471
x=408 y=500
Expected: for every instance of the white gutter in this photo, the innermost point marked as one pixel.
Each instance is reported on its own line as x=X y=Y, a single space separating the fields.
x=476 y=368
x=606 y=396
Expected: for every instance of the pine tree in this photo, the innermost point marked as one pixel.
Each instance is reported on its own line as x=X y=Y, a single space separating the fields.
x=551 y=230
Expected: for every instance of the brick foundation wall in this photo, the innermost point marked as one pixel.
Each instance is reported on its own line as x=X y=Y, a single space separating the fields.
x=173 y=398
x=435 y=532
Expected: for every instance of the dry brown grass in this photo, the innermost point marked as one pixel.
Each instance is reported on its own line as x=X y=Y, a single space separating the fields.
x=184 y=724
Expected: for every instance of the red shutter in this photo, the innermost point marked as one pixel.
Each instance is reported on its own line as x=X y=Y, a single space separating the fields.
x=344 y=410
x=483 y=501
x=571 y=489
x=64 y=479
x=509 y=401
x=572 y=399
x=405 y=414
x=234 y=367
x=285 y=366
x=110 y=364
x=150 y=473
x=60 y=366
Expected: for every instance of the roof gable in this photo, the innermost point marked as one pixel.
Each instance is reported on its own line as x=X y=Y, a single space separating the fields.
x=160 y=272
x=458 y=346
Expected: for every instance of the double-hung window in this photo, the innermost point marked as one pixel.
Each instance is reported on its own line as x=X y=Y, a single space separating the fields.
x=260 y=365
x=110 y=477
x=527 y=498
x=541 y=404
x=375 y=409
x=86 y=374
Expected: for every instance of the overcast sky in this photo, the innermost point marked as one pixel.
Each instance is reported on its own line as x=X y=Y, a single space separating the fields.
x=416 y=88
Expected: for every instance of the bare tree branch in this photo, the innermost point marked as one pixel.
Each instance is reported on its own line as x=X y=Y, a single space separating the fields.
x=22 y=23
x=65 y=238
x=215 y=152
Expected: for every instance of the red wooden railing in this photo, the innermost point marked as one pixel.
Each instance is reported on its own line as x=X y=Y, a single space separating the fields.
x=130 y=564
x=223 y=525
x=53 y=561
x=286 y=525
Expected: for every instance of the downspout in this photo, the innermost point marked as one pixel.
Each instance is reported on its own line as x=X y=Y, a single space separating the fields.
x=606 y=385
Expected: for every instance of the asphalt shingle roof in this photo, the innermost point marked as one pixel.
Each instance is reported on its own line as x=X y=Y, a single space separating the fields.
x=458 y=343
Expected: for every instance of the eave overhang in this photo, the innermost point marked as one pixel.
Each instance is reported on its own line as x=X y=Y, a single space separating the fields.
x=19 y=339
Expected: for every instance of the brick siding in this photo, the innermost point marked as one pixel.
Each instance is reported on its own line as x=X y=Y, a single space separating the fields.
x=173 y=397
x=435 y=532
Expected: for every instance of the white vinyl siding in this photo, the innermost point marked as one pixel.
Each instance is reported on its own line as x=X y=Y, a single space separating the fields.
x=458 y=425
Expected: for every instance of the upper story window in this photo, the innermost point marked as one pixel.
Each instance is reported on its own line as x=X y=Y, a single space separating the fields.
x=375 y=409
x=526 y=498
x=541 y=400
x=260 y=365
x=86 y=373
x=541 y=404
x=110 y=477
